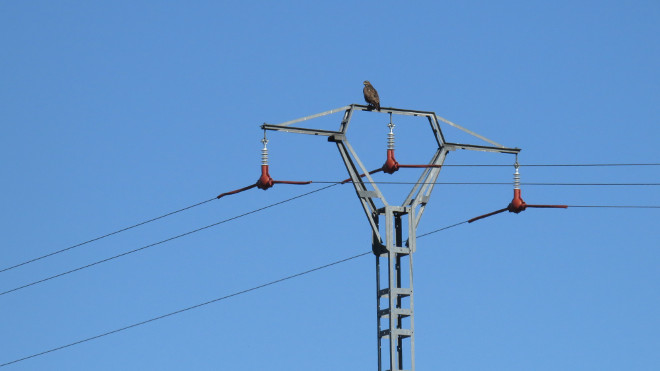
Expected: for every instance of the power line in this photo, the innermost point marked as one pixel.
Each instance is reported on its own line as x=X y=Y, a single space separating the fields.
x=104 y=236
x=441 y=229
x=188 y=308
x=586 y=206
x=321 y=182
x=260 y=286
x=291 y=199
x=501 y=183
x=553 y=165
x=163 y=241
x=595 y=206
x=619 y=206
x=260 y=209
x=211 y=301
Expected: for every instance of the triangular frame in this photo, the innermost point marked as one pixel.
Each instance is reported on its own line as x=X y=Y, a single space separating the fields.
x=367 y=189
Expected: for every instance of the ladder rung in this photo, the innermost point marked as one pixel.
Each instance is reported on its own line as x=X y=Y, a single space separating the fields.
x=403 y=333
x=400 y=251
x=399 y=209
x=403 y=312
x=400 y=292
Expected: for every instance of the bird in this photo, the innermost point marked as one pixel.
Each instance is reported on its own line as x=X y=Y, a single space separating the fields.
x=371 y=95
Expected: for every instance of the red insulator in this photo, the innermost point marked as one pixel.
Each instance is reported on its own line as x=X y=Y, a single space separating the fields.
x=390 y=165
x=265 y=181
x=517 y=204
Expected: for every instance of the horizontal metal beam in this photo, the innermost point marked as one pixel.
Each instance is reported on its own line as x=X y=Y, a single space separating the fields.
x=392 y=110
x=395 y=111
x=290 y=129
x=474 y=147
x=401 y=292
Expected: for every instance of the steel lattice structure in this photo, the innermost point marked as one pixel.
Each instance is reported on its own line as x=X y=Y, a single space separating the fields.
x=395 y=304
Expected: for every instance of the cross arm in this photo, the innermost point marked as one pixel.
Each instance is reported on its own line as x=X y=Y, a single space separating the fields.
x=291 y=129
x=474 y=147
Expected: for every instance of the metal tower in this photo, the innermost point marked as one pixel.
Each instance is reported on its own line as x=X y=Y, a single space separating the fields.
x=394 y=281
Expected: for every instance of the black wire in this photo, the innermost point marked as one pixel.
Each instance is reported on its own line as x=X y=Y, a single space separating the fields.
x=619 y=206
x=188 y=308
x=589 y=184
x=243 y=291
x=210 y=301
x=596 y=206
x=457 y=183
x=291 y=199
x=502 y=183
x=553 y=165
x=104 y=236
x=441 y=229
x=163 y=241
x=285 y=278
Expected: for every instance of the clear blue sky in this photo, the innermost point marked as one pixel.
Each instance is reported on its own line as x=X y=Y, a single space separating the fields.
x=116 y=112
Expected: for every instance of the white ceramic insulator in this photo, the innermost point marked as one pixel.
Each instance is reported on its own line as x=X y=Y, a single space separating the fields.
x=390 y=141
x=390 y=136
x=264 y=153
x=516 y=179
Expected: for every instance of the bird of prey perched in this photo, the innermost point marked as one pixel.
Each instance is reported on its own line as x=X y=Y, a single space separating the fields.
x=371 y=95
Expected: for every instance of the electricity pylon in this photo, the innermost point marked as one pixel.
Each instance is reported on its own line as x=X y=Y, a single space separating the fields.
x=395 y=308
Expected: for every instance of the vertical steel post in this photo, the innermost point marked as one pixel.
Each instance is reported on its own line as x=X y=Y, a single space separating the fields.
x=399 y=287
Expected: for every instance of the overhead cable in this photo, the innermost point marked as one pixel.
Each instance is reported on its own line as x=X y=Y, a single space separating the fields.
x=448 y=183
x=619 y=206
x=163 y=241
x=187 y=309
x=210 y=301
x=554 y=165
x=104 y=236
x=500 y=183
x=243 y=291
x=441 y=229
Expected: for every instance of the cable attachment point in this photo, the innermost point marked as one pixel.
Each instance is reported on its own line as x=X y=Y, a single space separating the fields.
x=265 y=181
x=391 y=165
x=517 y=204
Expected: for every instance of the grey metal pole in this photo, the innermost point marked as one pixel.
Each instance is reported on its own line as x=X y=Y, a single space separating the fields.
x=399 y=289
x=380 y=366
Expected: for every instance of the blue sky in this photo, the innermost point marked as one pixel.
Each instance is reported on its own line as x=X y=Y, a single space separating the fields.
x=113 y=113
